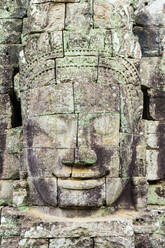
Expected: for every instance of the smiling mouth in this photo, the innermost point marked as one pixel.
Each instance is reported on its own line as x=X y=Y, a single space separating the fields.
x=75 y=184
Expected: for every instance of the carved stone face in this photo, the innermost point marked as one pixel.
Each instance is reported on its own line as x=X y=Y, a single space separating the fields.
x=72 y=134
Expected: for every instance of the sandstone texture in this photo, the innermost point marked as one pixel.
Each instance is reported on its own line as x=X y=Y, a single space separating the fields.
x=82 y=123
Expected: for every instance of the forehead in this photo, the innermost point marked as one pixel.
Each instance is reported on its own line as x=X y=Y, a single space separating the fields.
x=75 y=84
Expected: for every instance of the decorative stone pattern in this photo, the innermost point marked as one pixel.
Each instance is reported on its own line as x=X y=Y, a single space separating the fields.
x=82 y=123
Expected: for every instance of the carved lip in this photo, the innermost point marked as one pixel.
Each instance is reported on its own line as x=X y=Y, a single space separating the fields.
x=80 y=184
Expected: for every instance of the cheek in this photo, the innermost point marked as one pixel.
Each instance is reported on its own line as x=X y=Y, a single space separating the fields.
x=45 y=162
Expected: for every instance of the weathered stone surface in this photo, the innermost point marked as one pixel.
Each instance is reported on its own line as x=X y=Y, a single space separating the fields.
x=68 y=71
x=75 y=229
x=114 y=188
x=10 y=242
x=20 y=194
x=12 y=9
x=152 y=71
x=125 y=43
x=131 y=109
x=156 y=107
x=71 y=242
x=5 y=108
x=58 y=131
x=78 y=16
x=149 y=40
x=110 y=15
x=132 y=155
x=6 y=192
x=113 y=242
x=10 y=31
x=155 y=149
x=43 y=191
x=25 y=243
x=156 y=194
x=10 y=164
x=95 y=97
x=93 y=197
x=10 y=222
x=13 y=140
x=152 y=14
x=5 y=79
x=140 y=190
x=9 y=55
x=148 y=241
x=54 y=99
x=98 y=130
x=45 y=162
x=37 y=74
x=148 y=222
x=95 y=40
x=47 y=16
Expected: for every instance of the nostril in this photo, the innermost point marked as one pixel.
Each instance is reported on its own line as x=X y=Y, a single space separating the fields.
x=67 y=162
x=85 y=156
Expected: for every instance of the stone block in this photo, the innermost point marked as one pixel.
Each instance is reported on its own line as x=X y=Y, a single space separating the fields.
x=42 y=191
x=5 y=124
x=9 y=55
x=78 y=16
x=13 y=140
x=5 y=107
x=96 y=162
x=115 y=227
x=110 y=15
x=146 y=241
x=9 y=165
x=6 y=192
x=85 y=193
x=113 y=242
x=132 y=155
x=12 y=9
x=44 y=162
x=36 y=45
x=151 y=15
x=117 y=70
x=149 y=40
x=93 y=41
x=152 y=72
x=53 y=131
x=40 y=45
x=125 y=43
x=71 y=242
x=46 y=17
x=10 y=31
x=10 y=242
x=114 y=189
x=156 y=194
x=98 y=130
x=157 y=104
x=94 y=97
x=55 y=1
x=20 y=194
x=11 y=219
x=5 y=79
x=35 y=243
x=39 y=73
x=68 y=71
x=131 y=109
x=139 y=191
x=54 y=99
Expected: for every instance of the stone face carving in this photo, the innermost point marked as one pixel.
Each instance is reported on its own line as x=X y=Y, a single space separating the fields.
x=75 y=111
x=82 y=123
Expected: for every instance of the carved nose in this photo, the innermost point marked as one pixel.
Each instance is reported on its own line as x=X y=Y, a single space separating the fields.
x=85 y=156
